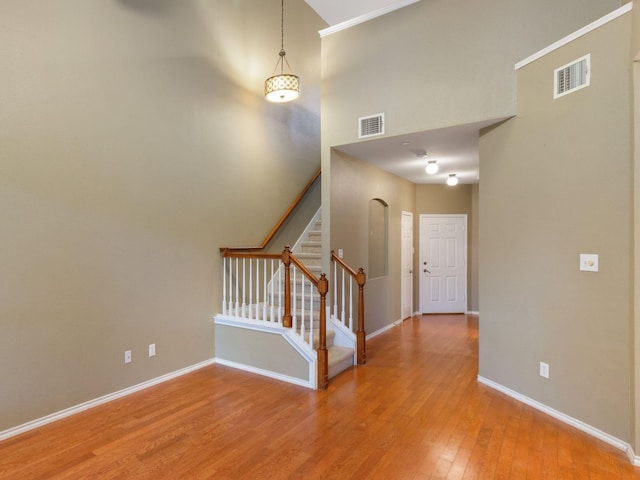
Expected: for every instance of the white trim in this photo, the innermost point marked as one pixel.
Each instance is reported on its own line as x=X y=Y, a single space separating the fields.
x=250 y=324
x=383 y=329
x=265 y=373
x=586 y=428
x=577 y=34
x=366 y=17
x=100 y=400
x=472 y=312
x=413 y=257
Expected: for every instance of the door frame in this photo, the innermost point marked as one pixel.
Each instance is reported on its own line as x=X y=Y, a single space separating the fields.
x=411 y=254
x=463 y=216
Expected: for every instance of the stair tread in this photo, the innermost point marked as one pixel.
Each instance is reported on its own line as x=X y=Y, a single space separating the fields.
x=340 y=358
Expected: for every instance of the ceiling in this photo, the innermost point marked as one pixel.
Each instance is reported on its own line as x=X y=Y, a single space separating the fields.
x=454 y=148
x=337 y=11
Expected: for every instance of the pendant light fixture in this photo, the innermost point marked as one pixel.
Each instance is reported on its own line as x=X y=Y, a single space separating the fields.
x=452 y=180
x=282 y=87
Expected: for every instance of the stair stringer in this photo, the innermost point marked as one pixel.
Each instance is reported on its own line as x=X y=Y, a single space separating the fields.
x=344 y=337
x=291 y=346
x=309 y=228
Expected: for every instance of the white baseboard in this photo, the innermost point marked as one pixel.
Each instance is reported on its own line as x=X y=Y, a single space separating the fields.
x=586 y=428
x=474 y=313
x=100 y=400
x=383 y=329
x=265 y=373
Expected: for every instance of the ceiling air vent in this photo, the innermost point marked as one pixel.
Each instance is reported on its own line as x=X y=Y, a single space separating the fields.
x=572 y=77
x=371 y=125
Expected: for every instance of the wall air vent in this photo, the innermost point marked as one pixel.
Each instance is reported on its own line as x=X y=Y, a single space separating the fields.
x=572 y=76
x=371 y=125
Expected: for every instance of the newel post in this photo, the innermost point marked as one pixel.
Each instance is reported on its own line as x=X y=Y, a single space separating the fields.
x=323 y=353
x=286 y=260
x=361 y=354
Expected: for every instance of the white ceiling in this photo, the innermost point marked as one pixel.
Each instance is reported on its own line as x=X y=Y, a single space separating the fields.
x=455 y=148
x=337 y=11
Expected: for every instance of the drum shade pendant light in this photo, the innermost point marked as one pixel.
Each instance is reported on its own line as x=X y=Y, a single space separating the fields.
x=282 y=87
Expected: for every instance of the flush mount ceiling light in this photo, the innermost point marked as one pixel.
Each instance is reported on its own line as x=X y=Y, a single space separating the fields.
x=452 y=180
x=282 y=87
x=432 y=167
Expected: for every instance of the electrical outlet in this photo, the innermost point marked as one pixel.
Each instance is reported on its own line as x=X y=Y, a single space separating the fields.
x=127 y=356
x=152 y=349
x=544 y=370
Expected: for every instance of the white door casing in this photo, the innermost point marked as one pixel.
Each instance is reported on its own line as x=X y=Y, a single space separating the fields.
x=443 y=265
x=406 y=268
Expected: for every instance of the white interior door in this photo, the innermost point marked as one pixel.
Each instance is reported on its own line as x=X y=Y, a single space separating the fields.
x=406 y=259
x=443 y=265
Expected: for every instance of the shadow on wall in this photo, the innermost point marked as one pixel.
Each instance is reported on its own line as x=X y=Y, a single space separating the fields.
x=147 y=6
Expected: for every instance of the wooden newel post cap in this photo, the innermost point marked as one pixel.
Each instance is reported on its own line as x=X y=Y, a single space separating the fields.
x=323 y=284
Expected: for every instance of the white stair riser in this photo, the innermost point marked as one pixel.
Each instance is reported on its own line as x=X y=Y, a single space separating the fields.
x=311 y=248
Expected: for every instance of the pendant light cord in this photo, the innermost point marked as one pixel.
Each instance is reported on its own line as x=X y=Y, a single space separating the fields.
x=283 y=58
x=282 y=26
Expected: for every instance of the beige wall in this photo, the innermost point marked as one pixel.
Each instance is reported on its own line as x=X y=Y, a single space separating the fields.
x=556 y=182
x=635 y=338
x=438 y=63
x=261 y=350
x=135 y=142
x=354 y=183
x=443 y=199
x=434 y=64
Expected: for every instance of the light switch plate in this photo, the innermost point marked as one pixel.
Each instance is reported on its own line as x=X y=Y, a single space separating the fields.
x=589 y=262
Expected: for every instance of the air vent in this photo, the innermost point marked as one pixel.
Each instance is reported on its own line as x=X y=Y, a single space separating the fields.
x=371 y=125
x=572 y=77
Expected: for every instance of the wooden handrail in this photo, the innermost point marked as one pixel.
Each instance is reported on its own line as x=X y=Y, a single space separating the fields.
x=360 y=278
x=307 y=273
x=230 y=253
x=341 y=262
x=278 y=225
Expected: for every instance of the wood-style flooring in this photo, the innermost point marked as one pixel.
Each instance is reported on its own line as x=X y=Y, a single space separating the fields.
x=415 y=411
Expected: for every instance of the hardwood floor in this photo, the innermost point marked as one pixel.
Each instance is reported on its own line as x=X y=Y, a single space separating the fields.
x=415 y=411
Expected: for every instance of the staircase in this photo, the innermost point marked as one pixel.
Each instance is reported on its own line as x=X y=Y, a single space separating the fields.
x=309 y=251
x=272 y=305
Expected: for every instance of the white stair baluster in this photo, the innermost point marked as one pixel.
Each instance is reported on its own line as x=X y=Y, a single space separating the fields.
x=264 y=293
x=294 y=306
x=250 y=304
x=302 y=306
x=311 y=325
x=224 y=286
x=279 y=295
x=342 y=316
x=350 y=303
x=237 y=288
x=272 y=303
x=335 y=290
x=244 y=287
